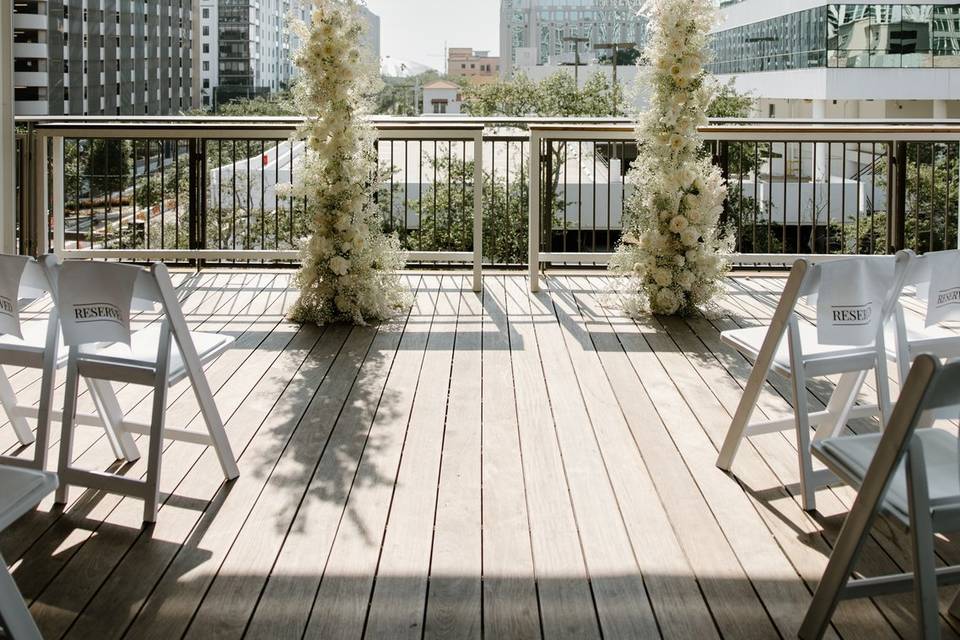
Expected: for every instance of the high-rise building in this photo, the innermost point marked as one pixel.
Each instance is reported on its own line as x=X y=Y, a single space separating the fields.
x=103 y=57
x=545 y=32
x=247 y=46
x=808 y=58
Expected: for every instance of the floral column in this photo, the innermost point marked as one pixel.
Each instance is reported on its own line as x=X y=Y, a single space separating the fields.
x=673 y=249
x=350 y=267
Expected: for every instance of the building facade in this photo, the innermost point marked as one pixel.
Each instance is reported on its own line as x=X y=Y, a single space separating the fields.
x=479 y=67
x=247 y=46
x=103 y=57
x=542 y=32
x=442 y=98
x=803 y=58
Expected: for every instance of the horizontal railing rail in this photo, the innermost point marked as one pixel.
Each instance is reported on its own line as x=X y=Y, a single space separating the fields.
x=458 y=190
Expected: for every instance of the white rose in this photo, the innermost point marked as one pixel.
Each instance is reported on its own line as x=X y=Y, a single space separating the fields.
x=686 y=279
x=339 y=265
x=678 y=224
x=690 y=236
x=663 y=277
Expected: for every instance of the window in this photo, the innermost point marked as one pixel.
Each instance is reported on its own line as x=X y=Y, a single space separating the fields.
x=439 y=106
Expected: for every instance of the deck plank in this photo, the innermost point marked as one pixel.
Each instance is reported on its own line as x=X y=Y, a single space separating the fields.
x=287 y=599
x=510 y=603
x=454 y=602
x=341 y=604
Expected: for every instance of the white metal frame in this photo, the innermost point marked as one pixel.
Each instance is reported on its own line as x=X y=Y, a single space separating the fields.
x=152 y=285
x=929 y=387
x=945 y=347
x=31 y=487
x=852 y=367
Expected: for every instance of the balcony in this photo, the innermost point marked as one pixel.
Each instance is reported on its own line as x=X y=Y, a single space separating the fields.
x=514 y=458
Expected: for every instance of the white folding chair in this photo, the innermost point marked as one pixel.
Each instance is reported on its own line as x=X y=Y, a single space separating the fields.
x=910 y=474
x=913 y=337
x=792 y=349
x=23 y=489
x=40 y=347
x=158 y=356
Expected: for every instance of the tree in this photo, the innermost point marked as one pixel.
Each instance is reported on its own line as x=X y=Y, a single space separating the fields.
x=279 y=104
x=107 y=160
x=555 y=96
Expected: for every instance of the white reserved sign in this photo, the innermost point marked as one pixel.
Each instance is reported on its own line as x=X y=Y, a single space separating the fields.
x=943 y=295
x=11 y=273
x=850 y=301
x=95 y=301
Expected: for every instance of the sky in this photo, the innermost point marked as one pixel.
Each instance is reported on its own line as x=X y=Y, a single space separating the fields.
x=416 y=30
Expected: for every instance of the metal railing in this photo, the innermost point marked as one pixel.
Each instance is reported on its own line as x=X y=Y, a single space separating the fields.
x=483 y=192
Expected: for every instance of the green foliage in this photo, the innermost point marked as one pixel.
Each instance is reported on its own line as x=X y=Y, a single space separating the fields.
x=107 y=160
x=555 y=96
x=278 y=104
x=448 y=225
x=729 y=103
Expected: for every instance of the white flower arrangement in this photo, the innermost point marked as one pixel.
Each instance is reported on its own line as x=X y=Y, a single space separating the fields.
x=673 y=252
x=350 y=269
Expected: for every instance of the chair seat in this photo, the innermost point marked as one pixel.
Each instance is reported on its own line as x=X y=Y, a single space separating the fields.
x=28 y=351
x=935 y=340
x=22 y=490
x=819 y=359
x=850 y=456
x=143 y=348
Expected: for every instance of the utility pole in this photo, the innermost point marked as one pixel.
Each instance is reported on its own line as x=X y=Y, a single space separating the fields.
x=616 y=47
x=576 y=65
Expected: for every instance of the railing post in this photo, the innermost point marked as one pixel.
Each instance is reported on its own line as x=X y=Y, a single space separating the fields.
x=34 y=228
x=722 y=160
x=897 y=196
x=477 y=212
x=57 y=200
x=197 y=200
x=534 y=214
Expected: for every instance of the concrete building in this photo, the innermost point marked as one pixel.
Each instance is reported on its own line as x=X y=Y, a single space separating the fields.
x=103 y=57
x=479 y=67
x=247 y=46
x=537 y=33
x=808 y=58
x=442 y=98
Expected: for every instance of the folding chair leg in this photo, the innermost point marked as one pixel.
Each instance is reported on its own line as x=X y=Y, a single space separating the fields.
x=801 y=415
x=8 y=398
x=921 y=538
x=155 y=451
x=108 y=408
x=17 y=621
x=841 y=402
x=741 y=419
x=71 y=386
x=841 y=563
x=211 y=416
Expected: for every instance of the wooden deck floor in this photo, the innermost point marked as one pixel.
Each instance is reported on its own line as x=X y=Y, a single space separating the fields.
x=502 y=465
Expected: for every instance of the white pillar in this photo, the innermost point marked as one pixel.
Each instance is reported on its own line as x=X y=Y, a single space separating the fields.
x=8 y=140
x=823 y=150
x=940 y=109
